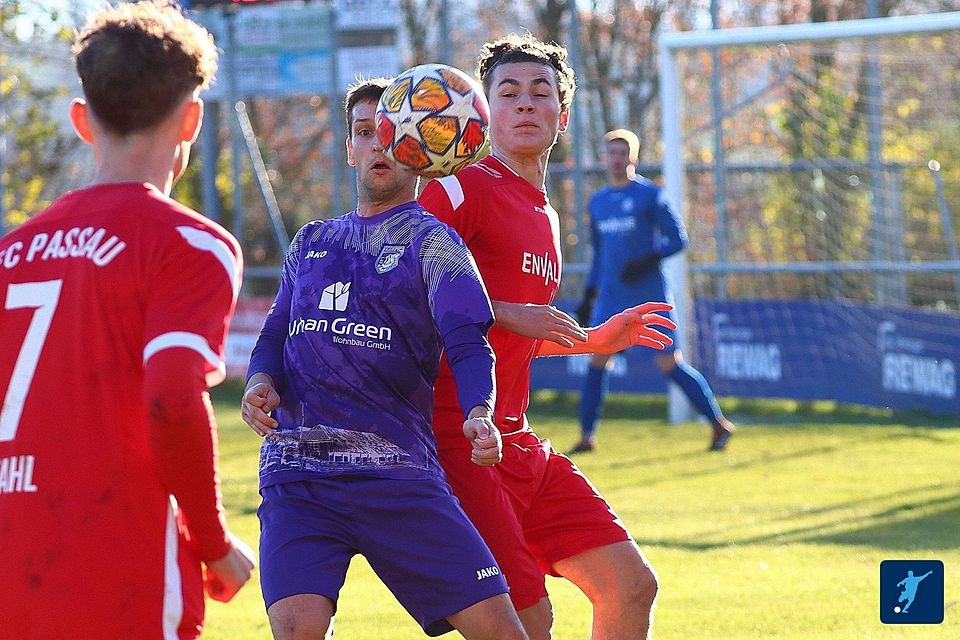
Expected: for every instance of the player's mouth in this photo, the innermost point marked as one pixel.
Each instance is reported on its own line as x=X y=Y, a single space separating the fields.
x=526 y=125
x=380 y=166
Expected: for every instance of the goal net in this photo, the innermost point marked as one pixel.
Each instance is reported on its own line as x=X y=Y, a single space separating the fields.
x=817 y=168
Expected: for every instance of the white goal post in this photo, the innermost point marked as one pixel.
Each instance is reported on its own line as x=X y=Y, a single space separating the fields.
x=674 y=162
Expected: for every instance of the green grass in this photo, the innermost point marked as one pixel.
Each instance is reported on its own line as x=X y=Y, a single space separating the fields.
x=780 y=537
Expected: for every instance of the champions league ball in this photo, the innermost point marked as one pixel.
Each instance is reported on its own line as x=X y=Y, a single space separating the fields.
x=433 y=120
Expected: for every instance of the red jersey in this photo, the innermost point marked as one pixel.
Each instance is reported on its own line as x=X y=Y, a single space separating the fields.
x=514 y=236
x=101 y=293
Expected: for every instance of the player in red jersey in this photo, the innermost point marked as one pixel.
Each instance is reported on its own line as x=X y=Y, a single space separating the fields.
x=537 y=512
x=116 y=301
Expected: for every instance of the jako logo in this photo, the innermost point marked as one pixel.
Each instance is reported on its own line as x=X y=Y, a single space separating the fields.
x=488 y=572
x=335 y=297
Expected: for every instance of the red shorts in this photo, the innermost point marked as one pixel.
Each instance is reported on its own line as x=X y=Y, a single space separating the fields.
x=533 y=509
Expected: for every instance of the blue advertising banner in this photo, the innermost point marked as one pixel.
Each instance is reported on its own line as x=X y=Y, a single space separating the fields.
x=806 y=350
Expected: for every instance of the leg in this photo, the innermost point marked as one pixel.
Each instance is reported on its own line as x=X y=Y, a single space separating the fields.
x=303 y=556
x=493 y=511
x=490 y=619
x=301 y=617
x=620 y=584
x=695 y=387
x=591 y=401
x=574 y=533
x=538 y=619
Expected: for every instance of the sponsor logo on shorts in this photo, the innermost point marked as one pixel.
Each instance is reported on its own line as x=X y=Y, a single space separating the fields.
x=489 y=572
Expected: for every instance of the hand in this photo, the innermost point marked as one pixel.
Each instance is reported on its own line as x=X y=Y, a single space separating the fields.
x=634 y=269
x=224 y=577
x=539 y=321
x=633 y=327
x=259 y=399
x=485 y=438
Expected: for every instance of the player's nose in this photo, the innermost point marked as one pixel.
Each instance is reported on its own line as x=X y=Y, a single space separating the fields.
x=524 y=103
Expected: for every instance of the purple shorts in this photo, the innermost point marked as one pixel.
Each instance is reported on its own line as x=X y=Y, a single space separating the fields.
x=412 y=532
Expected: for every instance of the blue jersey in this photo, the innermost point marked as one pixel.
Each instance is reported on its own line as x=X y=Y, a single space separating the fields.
x=353 y=344
x=630 y=222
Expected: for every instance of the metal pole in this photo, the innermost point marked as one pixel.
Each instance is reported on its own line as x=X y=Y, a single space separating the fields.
x=236 y=137
x=879 y=210
x=210 y=154
x=336 y=121
x=445 y=57
x=945 y=221
x=719 y=155
x=676 y=267
x=576 y=120
x=263 y=178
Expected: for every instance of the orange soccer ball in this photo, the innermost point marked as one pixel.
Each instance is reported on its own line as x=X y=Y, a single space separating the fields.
x=433 y=120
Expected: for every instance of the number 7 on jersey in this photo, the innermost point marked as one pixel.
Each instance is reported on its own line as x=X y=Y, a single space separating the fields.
x=42 y=296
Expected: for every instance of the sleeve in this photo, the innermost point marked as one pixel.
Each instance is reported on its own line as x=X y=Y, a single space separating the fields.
x=462 y=313
x=267 y=356
x=447 y=199
x=593 y=278
x=673 y=236
x=192 y=296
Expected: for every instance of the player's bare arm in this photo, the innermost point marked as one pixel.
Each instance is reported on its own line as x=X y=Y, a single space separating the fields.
x=629 y=328
x=539 y=321
x=484 y=436
x=259 y=399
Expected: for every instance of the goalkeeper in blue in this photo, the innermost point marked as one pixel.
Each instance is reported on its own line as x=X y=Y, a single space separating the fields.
x=346 y=363
x=633 y=229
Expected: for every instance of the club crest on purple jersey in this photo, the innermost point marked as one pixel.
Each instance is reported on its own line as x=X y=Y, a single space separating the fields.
x=389 y=257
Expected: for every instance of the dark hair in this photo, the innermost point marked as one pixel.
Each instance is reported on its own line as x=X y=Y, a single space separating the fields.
x=363 y=91
x=137 y=61
x=527 y=48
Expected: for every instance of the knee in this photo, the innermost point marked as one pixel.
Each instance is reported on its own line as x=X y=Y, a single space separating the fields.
x=644 y=586
x=294 y=627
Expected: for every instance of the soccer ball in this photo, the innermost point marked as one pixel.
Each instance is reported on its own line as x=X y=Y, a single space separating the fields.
x=433 y=120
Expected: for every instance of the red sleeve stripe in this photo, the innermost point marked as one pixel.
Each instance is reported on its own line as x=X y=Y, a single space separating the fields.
x=172 y=586
x=204 y=241
x=189 y=341
x=451 y=184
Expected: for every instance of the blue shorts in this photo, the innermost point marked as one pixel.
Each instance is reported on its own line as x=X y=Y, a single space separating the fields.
x=412 y=532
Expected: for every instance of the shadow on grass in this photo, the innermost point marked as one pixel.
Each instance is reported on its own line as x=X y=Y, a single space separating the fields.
x=934 y=527
x=564 y=404
x=765 y=457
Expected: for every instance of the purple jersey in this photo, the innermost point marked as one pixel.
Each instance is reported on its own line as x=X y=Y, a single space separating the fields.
x=353 y=344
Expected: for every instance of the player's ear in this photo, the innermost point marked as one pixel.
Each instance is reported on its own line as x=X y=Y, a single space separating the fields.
x=80 y=118
x=350 y=160
x=564 y=119
x=190 y=120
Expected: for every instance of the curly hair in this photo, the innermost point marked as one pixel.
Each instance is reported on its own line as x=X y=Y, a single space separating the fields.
x=527 y=48
x=137 y=61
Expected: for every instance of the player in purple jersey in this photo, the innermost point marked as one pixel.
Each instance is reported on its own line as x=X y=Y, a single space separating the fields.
x=346 y=363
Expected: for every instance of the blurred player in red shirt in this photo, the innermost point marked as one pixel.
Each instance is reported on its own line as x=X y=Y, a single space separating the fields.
x=116 y=302
x=536 y=510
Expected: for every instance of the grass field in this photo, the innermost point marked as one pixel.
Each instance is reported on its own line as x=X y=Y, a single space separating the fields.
x=780 y=537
